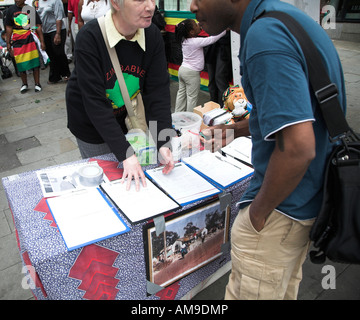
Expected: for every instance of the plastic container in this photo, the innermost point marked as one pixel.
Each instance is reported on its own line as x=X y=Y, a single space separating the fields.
x=186 y=121
x=143 y=145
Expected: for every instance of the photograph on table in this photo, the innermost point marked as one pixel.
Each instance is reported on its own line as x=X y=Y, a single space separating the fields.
x=191 y=240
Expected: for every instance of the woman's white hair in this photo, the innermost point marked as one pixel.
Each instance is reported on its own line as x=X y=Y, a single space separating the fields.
x=120 y=3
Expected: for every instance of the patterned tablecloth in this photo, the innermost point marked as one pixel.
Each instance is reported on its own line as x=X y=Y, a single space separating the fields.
x=114 y=268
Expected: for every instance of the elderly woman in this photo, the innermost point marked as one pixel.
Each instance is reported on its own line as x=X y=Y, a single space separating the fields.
x=96 y=111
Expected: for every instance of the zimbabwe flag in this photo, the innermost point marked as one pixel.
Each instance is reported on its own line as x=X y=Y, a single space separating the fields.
x=173 y=49
x=25 y=50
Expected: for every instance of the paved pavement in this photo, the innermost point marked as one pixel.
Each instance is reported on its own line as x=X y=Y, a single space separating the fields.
x=33 y=135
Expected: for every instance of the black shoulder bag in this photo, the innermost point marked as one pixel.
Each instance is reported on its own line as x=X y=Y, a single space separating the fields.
x=336 y=230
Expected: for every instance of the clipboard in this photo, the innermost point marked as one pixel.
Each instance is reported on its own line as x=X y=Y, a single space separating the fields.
x=183 y=184
x=134 y=205
x=218 y=170
x=85 y=217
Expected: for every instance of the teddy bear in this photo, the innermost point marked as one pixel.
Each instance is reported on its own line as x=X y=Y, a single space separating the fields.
x=236 y=103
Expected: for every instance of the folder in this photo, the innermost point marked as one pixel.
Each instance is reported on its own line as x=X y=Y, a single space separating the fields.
x=240 y=149
x=219 y=170
x=84 y=217
x=139 y=206
x=183 y=184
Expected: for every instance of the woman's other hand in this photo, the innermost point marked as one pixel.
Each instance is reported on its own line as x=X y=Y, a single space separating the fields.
x=166 y=159
x=133 y=171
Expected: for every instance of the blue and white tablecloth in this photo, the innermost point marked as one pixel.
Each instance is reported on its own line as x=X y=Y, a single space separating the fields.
x=111 y=269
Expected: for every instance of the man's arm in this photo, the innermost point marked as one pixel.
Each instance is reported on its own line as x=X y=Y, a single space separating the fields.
x=70 y=17
x=41 y=36
x=9 y=31
x=293 y=153
x=57 y=37
x=59 y=15
x=80 y=19
x=219 y=136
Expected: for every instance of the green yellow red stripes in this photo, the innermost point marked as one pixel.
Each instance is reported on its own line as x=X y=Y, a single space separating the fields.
x=25 y=50
x=174 y=71
x=172 y=18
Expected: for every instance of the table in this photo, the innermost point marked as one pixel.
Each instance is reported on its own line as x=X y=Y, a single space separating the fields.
x=111 y=269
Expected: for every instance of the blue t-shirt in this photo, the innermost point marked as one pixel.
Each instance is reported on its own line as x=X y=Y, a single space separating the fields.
x=274 y=77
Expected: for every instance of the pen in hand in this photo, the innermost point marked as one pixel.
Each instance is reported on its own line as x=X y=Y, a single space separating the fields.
x=204 y=136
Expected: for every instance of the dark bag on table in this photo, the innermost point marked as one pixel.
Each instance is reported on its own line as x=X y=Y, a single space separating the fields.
x=336 y=231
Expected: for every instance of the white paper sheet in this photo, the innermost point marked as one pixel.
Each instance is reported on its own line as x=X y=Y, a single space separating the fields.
x=183 y=184
x=222 y=172
x=57 y=181
x=239 y=148
x=139 y=205
x=85 y=217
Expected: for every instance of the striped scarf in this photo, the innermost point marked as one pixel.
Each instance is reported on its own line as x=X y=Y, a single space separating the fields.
x=25 y=50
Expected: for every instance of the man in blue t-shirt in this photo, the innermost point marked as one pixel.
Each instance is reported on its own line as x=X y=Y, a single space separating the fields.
x=270 y=236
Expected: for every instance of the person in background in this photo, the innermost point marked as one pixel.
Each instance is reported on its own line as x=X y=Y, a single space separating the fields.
x=95 y=106
x=270 y=235
x=68 y=47
x=219 y=67
x=51 y=13
x=159 y=20
x=3 y=38
x=21 y=44
x=73 y=7
x=91 y=9
x=187 y=33
x=5 y=55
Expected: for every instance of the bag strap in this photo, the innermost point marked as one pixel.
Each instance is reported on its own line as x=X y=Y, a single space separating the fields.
x=325 y=91
x=115 y=62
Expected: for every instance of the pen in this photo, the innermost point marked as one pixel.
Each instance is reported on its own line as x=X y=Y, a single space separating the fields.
x=242 y=161
x=245 y=155
x=223 y=158
x=178 y=132
x=204 y=136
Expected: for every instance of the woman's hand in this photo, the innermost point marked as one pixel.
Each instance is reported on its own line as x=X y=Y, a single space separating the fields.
x=133 y=170
x=167 y=159
x=57 y=39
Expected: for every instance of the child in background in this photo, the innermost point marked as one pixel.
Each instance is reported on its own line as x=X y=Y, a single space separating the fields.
x=187 y=33
x=3 y=39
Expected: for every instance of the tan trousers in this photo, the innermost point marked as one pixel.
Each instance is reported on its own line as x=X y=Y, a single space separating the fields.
x=189 y=87
x=267 y=265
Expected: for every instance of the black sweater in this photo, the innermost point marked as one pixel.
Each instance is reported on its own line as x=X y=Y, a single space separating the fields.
x=93 y=97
